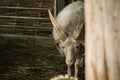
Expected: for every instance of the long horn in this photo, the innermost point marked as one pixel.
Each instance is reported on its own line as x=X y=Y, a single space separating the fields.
x=57 y=27
x=77 y=30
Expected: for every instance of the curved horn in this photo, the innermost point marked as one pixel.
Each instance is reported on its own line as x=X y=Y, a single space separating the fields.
x=57 y=27
x=77 y=30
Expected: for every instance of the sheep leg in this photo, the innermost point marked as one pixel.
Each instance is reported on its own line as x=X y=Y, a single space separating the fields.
x=77 y=62
x=69 y=70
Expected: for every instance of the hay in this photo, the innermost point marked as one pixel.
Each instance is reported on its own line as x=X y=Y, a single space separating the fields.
x=63 y=77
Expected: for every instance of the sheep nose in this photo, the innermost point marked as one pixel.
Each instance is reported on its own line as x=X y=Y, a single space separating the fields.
x=69 y=62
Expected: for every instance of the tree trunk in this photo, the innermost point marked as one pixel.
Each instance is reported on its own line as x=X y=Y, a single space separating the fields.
x=102 y=39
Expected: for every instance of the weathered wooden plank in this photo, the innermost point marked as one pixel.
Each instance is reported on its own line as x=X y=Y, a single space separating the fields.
x=102 y=39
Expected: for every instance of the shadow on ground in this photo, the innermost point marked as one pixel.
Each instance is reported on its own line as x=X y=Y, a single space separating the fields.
x=29 y=59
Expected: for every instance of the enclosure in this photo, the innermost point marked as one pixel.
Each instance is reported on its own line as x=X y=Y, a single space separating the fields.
x=27 y=49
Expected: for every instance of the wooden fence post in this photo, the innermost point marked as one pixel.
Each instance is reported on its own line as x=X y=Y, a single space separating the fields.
x=102 y=39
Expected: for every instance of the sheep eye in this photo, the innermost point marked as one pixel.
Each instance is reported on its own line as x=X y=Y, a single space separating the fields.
x=57 y=44
x=77 y=46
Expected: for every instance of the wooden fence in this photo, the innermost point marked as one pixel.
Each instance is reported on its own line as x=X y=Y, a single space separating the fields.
x=18 y=19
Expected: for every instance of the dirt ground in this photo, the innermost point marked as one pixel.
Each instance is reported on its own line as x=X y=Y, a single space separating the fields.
x=30 y=59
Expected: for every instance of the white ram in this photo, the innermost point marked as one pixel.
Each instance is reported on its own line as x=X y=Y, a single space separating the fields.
x=66 y=31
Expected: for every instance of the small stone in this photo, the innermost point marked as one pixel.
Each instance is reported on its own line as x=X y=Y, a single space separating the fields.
x=66 y=76
x=60 y=76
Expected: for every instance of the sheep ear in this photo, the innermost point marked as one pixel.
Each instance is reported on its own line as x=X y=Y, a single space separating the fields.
x=58 y=48
x=77 y=30
x=57 y=27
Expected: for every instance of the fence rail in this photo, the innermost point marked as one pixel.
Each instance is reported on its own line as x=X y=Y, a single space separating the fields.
x=26 y=36
x=29 y=8
x=23 y=17
x=31 y=27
